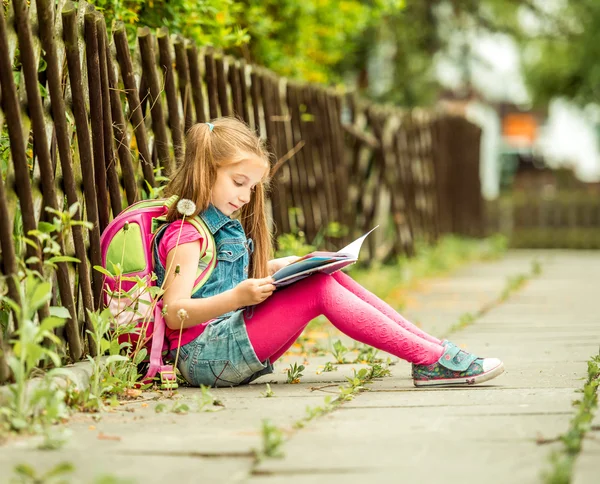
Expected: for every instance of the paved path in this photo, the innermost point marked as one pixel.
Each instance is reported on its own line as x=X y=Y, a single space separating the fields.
x=394 y=433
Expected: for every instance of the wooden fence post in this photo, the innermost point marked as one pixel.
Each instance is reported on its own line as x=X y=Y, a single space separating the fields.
x=83 y=140
x=47 y=175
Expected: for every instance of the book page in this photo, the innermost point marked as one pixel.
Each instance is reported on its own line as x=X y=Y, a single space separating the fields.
x=353 y=249
x=327 y=262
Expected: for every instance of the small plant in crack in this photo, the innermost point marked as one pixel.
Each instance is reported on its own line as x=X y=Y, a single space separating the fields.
x=294 y=373
x=272 y=441
x=339 y=352
x=268 y=393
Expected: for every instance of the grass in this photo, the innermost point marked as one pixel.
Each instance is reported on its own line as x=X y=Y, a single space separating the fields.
x=562 y=462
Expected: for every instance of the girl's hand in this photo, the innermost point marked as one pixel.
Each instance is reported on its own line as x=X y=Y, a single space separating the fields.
x=276 y=264
x=253 y=291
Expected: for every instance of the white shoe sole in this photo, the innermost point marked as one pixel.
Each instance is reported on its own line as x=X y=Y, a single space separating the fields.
x=463 y=380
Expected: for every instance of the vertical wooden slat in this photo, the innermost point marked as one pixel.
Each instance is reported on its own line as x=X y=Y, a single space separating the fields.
x=29 y=66
x=222 y=86
x=9 y=260
x=376 y=122
x=256 y=101
x=83 y=141
x=301 y=187
x=159 y=125
x=110 y=165
x=183 y=76
x=133 y=99
x=120 y=126
x=322 y=156
x=281 y=145
x=95 y=94
x=308 y=128
x=241 y=71
x=46 y=22
x=211 y=85
x=339 y=160
x=280 y=216
x=196 y=82
x=10 y=106
x=236 y=92
x=166 y=64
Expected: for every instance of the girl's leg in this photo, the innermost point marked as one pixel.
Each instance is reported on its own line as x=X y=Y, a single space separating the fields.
x=287 y=312
x=288 y=344
x=380 y=305
x=371 y=299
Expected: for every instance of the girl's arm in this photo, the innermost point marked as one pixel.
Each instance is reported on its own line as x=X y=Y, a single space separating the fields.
x=178 y=291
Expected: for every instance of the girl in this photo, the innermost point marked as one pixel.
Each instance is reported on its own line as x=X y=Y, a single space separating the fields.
x=232 y=329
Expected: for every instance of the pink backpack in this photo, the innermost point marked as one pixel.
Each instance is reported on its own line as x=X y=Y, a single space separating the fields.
x=132 y=296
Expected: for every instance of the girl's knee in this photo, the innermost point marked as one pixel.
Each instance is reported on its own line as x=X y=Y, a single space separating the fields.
x=317 y=284
x=322 y=280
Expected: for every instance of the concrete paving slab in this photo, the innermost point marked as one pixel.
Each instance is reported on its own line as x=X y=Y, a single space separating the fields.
x=394 y=433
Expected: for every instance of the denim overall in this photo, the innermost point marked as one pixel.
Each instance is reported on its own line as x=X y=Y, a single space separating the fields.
x=222 y=355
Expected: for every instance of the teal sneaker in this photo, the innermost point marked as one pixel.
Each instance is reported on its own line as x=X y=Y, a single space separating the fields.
x=456 y=367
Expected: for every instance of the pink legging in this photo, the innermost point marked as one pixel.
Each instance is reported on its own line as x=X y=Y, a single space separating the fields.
x=275 y=324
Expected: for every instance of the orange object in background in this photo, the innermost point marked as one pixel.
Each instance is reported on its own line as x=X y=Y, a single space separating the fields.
x=519 y=129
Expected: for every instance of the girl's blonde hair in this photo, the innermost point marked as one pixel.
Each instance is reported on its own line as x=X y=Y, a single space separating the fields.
x=229 y=141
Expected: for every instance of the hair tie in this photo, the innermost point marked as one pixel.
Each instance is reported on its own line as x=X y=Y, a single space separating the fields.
x=210 y=126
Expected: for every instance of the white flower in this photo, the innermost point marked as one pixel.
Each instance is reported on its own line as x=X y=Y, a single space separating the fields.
x=182 y=314
x=186 y=207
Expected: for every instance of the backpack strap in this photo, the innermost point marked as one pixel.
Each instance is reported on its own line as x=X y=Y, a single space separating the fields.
x=168 y=381
x=208 y=261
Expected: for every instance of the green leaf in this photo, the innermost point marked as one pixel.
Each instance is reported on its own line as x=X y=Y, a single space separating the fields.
x=52 y=355
x=42 y=293
x=14 y=306
x=73 y=209
x=63 y=258
x=25 y=470
x=115 y=347
x=46 y=228
x=104 y=345
x=30 y=242
x=61 y=468
x=115 y=358
x=60 y=312
x=140 y=356
x=52 y=322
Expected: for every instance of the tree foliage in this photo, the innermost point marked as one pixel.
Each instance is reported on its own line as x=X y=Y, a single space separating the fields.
x=385 y=48
x=566 y=63
x=300 y=39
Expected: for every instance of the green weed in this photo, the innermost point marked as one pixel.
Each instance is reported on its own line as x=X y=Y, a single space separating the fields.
x=294 y=373
x=562 y=463
x=25 y=474
x=268 y=392
x=272 y=441
x=35 y=407
x=339 y=352
x=368 y=354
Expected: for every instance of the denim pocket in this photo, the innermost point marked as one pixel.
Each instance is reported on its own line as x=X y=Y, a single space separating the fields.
x=215 y=373
x=231 y=261
x=184 y=353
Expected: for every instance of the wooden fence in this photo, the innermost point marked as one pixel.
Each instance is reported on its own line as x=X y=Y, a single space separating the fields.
x=567 y=219
x=89 y=120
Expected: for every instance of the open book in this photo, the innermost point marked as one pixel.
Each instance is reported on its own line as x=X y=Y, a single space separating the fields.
x=327 y=262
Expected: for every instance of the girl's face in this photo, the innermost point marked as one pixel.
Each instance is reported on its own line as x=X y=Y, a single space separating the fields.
x=235 y=183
